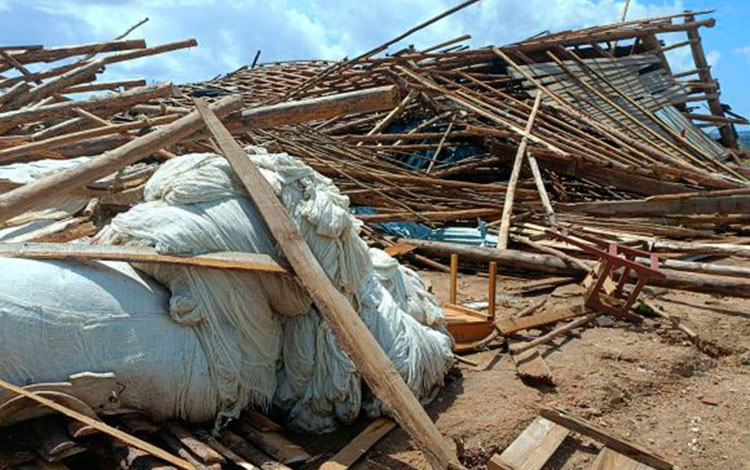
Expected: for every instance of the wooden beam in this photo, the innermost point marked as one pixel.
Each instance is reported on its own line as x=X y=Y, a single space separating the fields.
x=16 y=201
x=100 y=426
x=728 y=138
x=112 y=102
x=623 y=446
x=350 y=331
x=361 y=101
x=105 y=86
x=520 y=260
x=57 y=141
x=136 y=254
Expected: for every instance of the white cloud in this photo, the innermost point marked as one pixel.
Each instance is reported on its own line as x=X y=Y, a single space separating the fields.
x=743 y=51
x=230 y=31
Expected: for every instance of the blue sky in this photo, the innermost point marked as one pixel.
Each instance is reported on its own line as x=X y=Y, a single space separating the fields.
x=230 y=31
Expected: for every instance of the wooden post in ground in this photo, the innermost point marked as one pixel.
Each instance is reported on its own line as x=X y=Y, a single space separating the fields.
x=350 y=331
x=454 y=278
x=492 y=291
x=502 y=238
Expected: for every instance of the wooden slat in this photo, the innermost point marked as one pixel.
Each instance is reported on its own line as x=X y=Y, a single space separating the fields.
x=608 y=459
x=357 y=447
x=513 y=325
x=532 y=449
x=271 y=442
x=105 y=428
x=134 y=254
x=628 y=448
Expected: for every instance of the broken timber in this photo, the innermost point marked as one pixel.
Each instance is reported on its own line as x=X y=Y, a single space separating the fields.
x=100 y=426
x=18 y=200
x=136 y=254
x=357 y=447
x=352 y=333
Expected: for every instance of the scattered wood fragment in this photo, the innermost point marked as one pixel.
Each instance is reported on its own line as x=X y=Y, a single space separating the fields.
x=608 y=459
x=623 y=446
x=533 y=448
x=272 y=442
x=116 y=433
x=357 y=447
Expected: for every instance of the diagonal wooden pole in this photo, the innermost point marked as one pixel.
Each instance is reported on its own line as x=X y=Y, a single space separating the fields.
x=100 y=426
x=349 y=329
x=510 y=192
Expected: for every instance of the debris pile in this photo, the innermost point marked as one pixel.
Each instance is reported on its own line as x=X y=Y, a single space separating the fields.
x=203 y=251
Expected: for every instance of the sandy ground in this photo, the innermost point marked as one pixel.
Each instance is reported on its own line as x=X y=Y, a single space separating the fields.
x=643 y=382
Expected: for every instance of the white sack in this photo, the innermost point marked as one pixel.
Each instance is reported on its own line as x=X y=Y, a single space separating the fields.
x=61 y=318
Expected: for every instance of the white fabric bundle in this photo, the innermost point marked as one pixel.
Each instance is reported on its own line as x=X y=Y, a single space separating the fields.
x=260 y=337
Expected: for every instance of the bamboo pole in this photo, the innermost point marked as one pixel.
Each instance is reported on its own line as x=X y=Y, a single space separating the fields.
x=502 y=239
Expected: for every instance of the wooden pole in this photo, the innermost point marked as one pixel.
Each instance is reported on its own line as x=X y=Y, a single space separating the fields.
x=492 y=291
x=502 y=239
x=516 y=260
x=521 y=347
x=454 y=278
x=113 y=102
x=350 y=331
x=18 y=200
x=100 y=426
x=136 y=254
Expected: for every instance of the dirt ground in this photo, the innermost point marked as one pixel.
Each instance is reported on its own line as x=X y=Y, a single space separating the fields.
x=646 y=383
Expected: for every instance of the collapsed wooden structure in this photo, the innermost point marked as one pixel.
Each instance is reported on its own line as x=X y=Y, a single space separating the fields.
x=426 y=139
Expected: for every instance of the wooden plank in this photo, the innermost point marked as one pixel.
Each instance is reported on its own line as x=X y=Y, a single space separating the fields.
x=531 y=366
x=399 y=249
x=236 y=459
x=249 y=452
x=619 y=444
x=66 y=251
x=261 y=422
x=513 y=325
x=271 y=442
x=351 y=332
x=532 y=449
x=202 y=450
x=105 y=428
x=357 y=447
x=608 y=459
